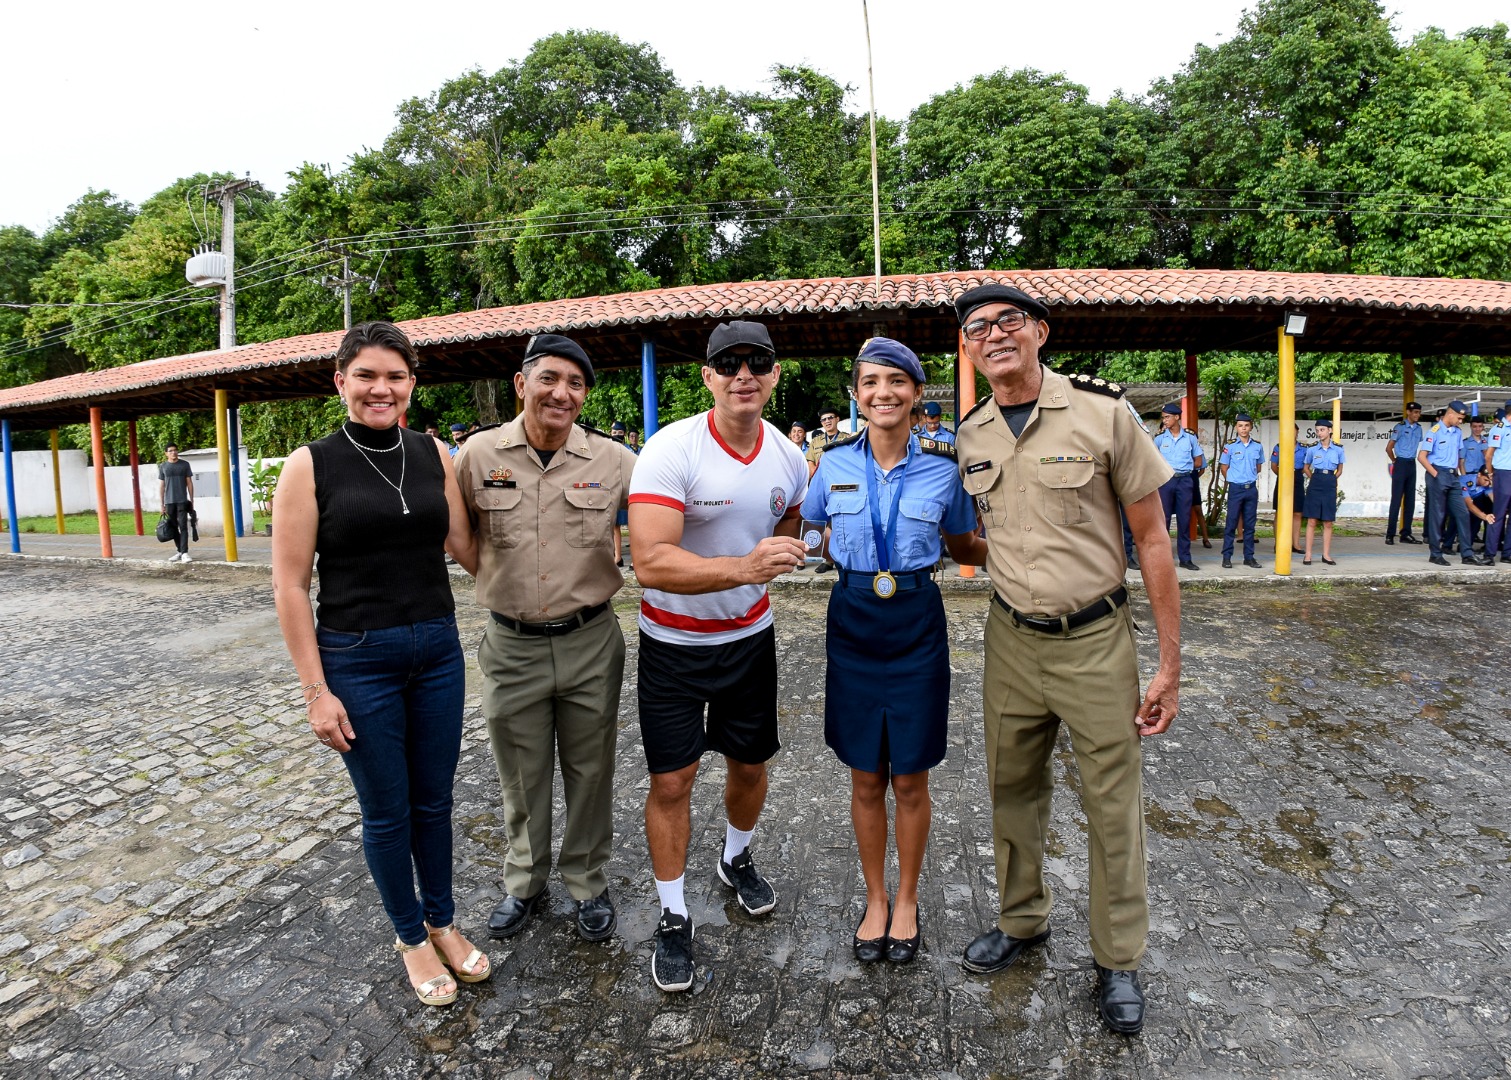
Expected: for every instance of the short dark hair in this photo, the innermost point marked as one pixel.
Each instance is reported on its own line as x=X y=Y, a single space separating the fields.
x=170 y=446
x=383 y=335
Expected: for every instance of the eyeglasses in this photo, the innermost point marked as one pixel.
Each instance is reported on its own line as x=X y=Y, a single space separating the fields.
x=1007 y=322
x=729 y=364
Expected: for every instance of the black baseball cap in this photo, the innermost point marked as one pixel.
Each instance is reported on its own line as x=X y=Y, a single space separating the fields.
x=740 y=332
x=564 y=347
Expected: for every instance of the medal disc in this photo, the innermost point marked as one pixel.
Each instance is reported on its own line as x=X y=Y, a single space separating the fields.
x=884 y=585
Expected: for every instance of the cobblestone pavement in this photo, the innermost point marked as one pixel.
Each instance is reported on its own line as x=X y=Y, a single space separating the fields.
x=185 y=893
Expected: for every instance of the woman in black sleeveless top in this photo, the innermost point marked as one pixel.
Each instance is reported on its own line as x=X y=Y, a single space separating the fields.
x=382 y=673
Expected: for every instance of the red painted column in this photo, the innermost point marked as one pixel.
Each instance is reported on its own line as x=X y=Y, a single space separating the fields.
x=102 y=506
x=136 y=477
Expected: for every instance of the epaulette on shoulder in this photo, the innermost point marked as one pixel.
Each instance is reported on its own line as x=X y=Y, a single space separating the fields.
x=485 y=427
x=934 y=446
x=1096 y=384
x=846 y=441
x=592 y=430
x=974 y=409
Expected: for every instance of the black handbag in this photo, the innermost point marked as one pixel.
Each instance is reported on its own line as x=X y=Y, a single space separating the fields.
x=167 y=529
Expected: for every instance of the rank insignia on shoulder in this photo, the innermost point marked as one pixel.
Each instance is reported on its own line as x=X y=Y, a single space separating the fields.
x=977 y=467
x=934 y=446
x=844 y=487
x=843 y=440
x=1096 y=384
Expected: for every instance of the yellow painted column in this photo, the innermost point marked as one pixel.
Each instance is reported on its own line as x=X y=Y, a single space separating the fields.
x=57 y=481
x=1338 y=420
x=1285 y=505
x=223 y=452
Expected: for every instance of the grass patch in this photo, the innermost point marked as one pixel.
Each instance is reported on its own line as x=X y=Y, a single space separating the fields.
x=1395 y=583
x=122 y=523
x=1320 y=586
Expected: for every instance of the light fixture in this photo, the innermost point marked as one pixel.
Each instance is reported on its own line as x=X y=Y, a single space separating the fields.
x=1295 y=323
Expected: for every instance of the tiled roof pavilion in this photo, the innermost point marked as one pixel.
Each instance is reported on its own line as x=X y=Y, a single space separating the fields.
x=1188 y=310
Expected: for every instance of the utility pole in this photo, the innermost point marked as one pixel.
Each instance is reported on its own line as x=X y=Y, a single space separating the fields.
x=345 y=283
x=226 y=194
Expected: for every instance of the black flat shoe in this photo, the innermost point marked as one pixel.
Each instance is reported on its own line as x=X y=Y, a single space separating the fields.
x=994 y=950
x=902 y=950
x=1328 y=561
x=512 y=913
x=1298 y=551
x=1120 y=1000
x=875 y=949
x=1306 y=562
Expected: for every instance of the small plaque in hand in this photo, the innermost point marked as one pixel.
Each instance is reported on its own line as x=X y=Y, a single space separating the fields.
x=812 y=535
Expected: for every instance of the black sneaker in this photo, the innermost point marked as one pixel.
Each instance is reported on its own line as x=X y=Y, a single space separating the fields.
x=672 y=962
x=756 y=894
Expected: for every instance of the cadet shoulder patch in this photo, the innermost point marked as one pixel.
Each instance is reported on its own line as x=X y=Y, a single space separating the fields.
x=934 y=446
x=1096 y=384
x=844 y=441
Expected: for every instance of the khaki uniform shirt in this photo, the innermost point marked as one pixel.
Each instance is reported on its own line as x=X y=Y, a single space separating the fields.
x=1050 y=497
x=547 y=542
x=816 y=443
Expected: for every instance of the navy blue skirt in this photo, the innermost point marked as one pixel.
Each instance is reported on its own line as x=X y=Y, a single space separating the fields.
x=887 y=687
x=1321 y=497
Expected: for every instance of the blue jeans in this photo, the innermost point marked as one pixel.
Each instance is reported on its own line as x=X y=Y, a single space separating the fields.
x=402 y=687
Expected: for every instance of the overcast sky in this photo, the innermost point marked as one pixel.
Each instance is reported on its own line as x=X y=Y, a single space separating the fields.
x=130 y=97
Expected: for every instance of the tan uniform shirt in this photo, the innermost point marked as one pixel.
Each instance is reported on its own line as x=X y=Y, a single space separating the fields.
x=547 y=542
x=1050 y=497
x=816 y=443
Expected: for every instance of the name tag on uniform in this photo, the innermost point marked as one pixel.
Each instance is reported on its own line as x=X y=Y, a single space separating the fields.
x=844 y=487
x=498 y=483
x=977 y=467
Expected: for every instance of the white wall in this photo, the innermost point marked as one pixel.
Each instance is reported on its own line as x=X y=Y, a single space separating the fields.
x=35 y=495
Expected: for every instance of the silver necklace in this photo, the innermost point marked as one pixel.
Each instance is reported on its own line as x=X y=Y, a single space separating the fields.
x=403 y=463
x=374 y=449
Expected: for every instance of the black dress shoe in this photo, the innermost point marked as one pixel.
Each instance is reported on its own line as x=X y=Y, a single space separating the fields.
x=1409 y=539
x=1253 y=563
x=871 y=950
x=994 y=950
x=596 y=918
x=902 y=950
x=1390 y=541
x=1437 y=560
x=1227 y=564
x=1189 y=565
x=1477 y=560
x=1120 y=1000
x=512 y=913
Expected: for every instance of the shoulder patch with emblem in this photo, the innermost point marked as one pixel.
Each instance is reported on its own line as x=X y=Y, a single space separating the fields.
x=934 y=446
x=983 y=403
x=843 y=441
x=1097 y=385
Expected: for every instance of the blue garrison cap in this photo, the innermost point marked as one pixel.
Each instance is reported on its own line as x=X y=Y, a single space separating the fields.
x=931 y=408
x=889 y=353
x=1507 y=409
x=1171 y=409
x=1324 y=422
x=1458 y=406
x=1243 y=418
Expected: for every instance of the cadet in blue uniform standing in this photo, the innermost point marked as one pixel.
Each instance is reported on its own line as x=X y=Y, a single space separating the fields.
x=1324 y=464
x=1474 y=461
x=1442 y=455
x=1182 y=453
x=1405 y=440
x=1241 y=461
x=933 y=427
x=887 y=494
x=1498 y=464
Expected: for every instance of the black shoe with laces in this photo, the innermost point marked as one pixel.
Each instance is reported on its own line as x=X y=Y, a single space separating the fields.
x=672 y=963
x=755 y=893
x=1120 y=1000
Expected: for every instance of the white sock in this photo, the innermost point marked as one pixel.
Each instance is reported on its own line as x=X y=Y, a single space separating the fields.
x=671 y=895
x=735 y=841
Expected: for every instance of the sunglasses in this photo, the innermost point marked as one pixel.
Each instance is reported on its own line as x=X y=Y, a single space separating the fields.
x=728 y=365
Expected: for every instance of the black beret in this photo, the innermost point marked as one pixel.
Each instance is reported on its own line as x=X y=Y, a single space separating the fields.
x=564 y=347
x=982 y=295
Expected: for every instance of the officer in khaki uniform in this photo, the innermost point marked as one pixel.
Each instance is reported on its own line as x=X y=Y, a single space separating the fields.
x=1049 y=459
x=543 y=492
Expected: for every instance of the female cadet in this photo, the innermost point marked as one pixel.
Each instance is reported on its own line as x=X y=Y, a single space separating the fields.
x=886 y=496
x=1324 y=464
x=382 y=672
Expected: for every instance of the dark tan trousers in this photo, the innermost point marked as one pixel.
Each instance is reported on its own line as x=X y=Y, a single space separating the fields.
x=1088 y=679
x=541 y=696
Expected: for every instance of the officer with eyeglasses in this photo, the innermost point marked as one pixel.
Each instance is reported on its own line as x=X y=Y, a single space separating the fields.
x=1048 y=460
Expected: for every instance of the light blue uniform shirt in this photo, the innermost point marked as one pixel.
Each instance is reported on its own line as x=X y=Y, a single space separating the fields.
x=1499 y=441
x=1408 y=439
x=1444 y=446
x=1244 y=460
x=1180 y=450
x=1474 y=454
x=1470 y=486
x=1324 y=459
x=1300 y=454
x=932 y=499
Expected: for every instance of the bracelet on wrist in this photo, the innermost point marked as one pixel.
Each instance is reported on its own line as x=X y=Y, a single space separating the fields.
x=310 y=701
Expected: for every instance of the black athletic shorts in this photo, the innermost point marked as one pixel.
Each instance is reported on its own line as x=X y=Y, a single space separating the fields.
x=736 y=681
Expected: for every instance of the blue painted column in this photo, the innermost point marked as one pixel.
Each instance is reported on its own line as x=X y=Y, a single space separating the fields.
x=648 y=388
x=233 y=423
x=854 y=416
x=10 y=489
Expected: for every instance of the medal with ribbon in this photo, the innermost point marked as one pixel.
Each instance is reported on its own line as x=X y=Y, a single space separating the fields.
x=883 y=584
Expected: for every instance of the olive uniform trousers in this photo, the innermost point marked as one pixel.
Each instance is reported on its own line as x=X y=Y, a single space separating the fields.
x=1087 y=678
x=543 y=696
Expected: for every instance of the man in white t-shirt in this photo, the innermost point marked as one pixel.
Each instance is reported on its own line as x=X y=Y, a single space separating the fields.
x=715 y=506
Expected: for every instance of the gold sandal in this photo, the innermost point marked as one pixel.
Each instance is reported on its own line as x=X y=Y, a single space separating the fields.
x=428 y=991
x=468 y=971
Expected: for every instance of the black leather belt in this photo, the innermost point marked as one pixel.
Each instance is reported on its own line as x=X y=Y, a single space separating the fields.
x=1242 y=484
x=862 y=579
x=1066 y=623
x=1181 y=475
x=552 y=629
